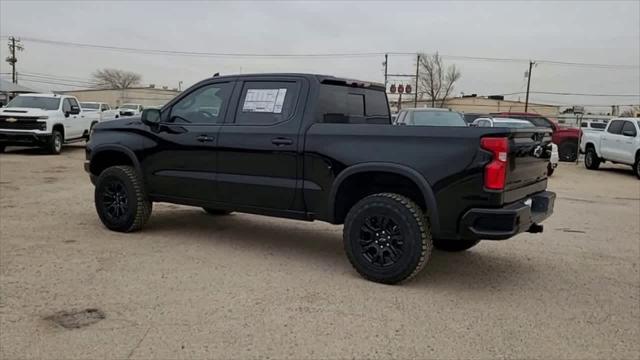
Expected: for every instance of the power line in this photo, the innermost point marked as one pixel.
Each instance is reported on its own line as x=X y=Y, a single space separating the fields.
x=310 y=55
x=23 y=75
x=570 y=94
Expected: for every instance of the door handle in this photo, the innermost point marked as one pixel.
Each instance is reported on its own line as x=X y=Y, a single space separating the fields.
x=204 y=138
x=281 y=141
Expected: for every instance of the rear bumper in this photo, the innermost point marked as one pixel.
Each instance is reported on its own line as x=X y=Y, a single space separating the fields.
x=503 y=223
x=23 y=138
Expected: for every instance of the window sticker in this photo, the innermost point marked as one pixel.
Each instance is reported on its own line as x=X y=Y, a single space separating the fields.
x=264 y=100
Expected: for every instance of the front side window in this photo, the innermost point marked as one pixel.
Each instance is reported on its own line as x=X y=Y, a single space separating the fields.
x=73 y=102
x=203 y=105
x=104 y=107
x=615 y=127
x=66 y=105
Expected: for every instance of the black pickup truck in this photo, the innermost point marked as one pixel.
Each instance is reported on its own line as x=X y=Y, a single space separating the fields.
x=314 y=147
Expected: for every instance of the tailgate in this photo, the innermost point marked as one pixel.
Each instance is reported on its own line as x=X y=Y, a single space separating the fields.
x=529 y=154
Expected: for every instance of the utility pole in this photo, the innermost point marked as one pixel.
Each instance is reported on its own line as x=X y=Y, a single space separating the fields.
x=386 y=61
x=415 y=92
x=526 y=101
x=14 y=44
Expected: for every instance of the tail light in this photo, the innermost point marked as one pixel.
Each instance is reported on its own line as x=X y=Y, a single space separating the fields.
x=495 y=172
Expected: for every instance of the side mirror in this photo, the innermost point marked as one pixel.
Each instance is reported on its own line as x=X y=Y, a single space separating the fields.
x=151 y=116
x=75 y=110
x=629 y=133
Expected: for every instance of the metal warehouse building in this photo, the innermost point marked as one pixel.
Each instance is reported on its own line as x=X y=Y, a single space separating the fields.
x=146 y=96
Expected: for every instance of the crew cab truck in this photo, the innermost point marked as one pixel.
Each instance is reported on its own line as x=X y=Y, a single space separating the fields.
x=103 y=110
x=314 y=147
x=44 y=120
x=618 y=143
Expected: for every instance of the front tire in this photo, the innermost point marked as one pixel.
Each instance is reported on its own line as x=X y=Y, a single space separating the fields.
x=591 y=159
x=636 y=166
x=568 y=151
x=454 y=245
x=120 y=199
x=387 y=238
x=54 y=145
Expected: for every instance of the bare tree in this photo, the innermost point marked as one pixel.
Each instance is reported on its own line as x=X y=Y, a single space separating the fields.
x=436 y=80
x=631 y=112
x=115 y=79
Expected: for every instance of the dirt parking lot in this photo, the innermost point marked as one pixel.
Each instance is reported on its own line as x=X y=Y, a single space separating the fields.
x=242 y=286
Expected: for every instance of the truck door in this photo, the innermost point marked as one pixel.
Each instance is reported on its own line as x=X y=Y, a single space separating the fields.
x=258 y=157
x=628 y=142
x=181 y=158
x=72 y=123
x=610 y=141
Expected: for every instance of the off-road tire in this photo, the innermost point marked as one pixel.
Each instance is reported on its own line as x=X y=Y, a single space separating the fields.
x=139 y=206
x=213 y=211
x=54 y=144
x=568 y=151
x=413 y=227
x=2 y=147
x=591 y=159
x=636 y=166
x=454 y=245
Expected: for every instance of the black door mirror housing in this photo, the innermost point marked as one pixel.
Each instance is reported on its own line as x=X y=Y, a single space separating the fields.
x=75 y=110
x=151 y=116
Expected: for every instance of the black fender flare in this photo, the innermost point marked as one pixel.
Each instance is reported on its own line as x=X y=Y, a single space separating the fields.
x=120 y=148
x=412 y=174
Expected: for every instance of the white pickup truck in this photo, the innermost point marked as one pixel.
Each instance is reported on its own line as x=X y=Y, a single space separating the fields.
x=104 y=111
x=618 y=143
x=130 y=109
x=44 y=120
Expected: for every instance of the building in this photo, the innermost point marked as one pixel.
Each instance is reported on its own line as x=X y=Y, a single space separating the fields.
x=483 y=105
x=9 y=90
x=146 y=96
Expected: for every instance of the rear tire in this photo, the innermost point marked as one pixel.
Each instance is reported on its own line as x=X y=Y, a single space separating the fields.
x=568 y=151
x=120 y=199
x=2 y=148
x=591 y=159
x=454 y=245
x=212 y=211
x=636 y=166
x=54 y=145
x=387 y=238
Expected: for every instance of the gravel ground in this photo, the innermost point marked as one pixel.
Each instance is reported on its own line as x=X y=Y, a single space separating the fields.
x=242 y=286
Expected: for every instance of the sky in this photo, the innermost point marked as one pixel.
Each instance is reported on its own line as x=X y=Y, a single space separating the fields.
x=594 y=32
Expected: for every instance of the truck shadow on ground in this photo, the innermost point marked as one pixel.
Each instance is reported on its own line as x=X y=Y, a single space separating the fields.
x=321 y=248
x=40 y=151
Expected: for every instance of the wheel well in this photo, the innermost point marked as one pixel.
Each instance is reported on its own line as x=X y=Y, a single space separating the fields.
x=108 y=158
x=589 y=146
x=60 y=128
x=360 y=185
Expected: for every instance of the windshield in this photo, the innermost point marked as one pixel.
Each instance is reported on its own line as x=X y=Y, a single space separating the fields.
x=89 y=106
x=129 y=106
x=437 y=118
x=35 y=102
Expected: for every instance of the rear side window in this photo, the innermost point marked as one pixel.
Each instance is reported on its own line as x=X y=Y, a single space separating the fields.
x=615 y=127
x=598 y=125
x=267 y=102
x=349 y=105
x=628 y=126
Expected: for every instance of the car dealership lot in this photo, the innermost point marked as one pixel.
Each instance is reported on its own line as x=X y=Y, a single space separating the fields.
x=193 y=286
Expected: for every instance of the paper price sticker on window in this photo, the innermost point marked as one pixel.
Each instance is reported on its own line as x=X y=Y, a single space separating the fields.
x=264 y=100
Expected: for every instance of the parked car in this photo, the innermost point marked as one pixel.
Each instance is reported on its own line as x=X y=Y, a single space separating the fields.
x=589 y=125
x=103 y=110
x=565 y=137
x=618 y=143
x=313 y=147
x=130 y=109
x=470 y=117
x=518 y=123
x=429 y=117
x=44 y=120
